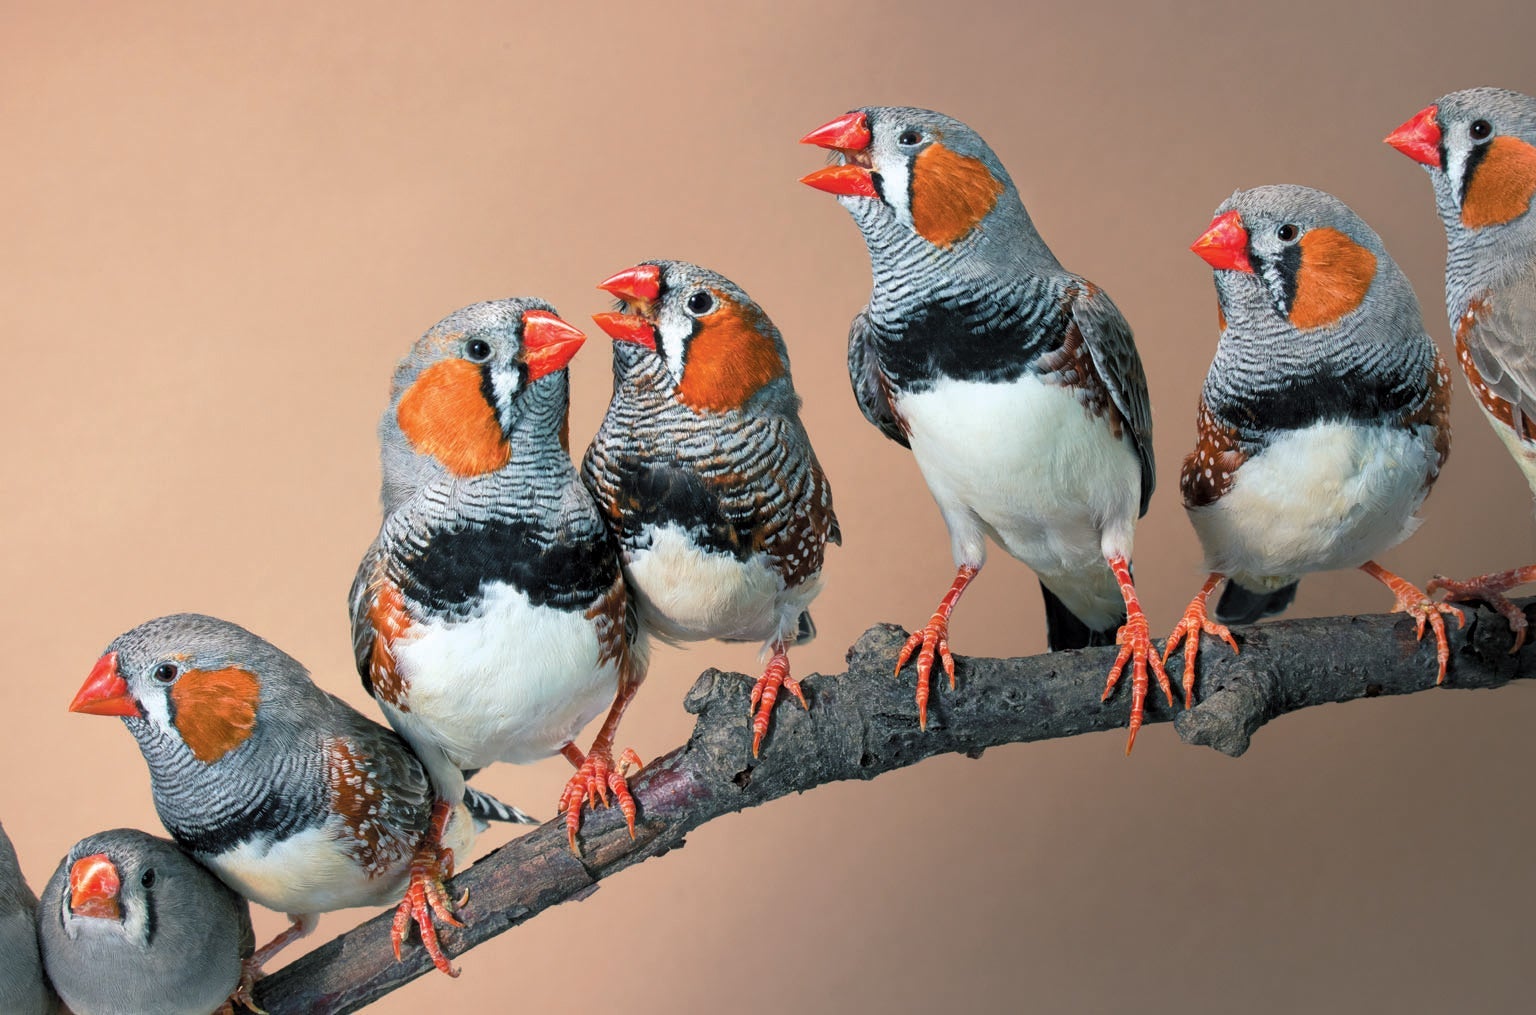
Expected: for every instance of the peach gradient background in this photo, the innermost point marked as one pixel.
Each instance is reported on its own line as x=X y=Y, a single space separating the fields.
x=222 y=228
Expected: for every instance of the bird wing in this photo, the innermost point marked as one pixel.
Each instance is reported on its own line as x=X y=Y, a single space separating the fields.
x=1113 y=350
x=377 y=785
x=361 y=604
x=870 y=385
x=1501 y=341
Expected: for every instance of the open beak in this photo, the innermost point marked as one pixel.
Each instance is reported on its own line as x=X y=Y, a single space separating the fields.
x=93 y=888
x=549 y=344
x=105 y=692
x=848 y=134
x=1224 y=245
x=1419 y=138
x=627 y=328
x=640 y=284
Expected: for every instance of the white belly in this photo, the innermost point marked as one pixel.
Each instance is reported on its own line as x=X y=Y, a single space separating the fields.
x=1333 y=495
x=515 y=684
x=1030 y=466
x=685 y=593
x=316 y=871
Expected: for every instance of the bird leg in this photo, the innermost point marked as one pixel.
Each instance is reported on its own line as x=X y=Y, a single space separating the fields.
x=596 y=775
x=299 y=925
x=244 y=995
x=1135 y=641
x=1190 y=627
x=426 y=897
x=766 y=691
x=1421 y=608
x=1489 y=588
x=935 y=637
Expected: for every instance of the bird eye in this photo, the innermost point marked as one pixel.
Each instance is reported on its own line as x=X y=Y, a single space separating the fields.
x=908 y=138
x=147 y=879
x=1287 y=233
x=700 y=303
x=477 y=350
x=1480 y=129
x=165 y=673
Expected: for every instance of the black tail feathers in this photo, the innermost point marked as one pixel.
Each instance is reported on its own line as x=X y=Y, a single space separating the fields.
x=1244 y=606
x=1063 y=629
x=485 y=808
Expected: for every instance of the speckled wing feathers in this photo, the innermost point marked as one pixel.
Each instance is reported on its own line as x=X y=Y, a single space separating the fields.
x=1499 y=334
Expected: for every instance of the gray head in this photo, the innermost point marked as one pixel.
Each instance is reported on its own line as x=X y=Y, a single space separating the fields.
x=919 y=176
x=699 y=336
x=129 y=923
x=481 y=381
x=196 y=680
x=1479 y=147
x=1292 y=257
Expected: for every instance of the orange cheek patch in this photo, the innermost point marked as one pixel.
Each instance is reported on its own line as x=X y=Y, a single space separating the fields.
x=445 y=415
x=215 y=710
x=729 y=361
x=1501 y=186
x=1333 y=279
x=951 y=194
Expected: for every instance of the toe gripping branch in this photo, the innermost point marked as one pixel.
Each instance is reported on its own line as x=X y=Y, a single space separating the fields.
x=426 y=897
x=934 y=638
x=766 y=691
x=1135 y=641
x=1421 y=608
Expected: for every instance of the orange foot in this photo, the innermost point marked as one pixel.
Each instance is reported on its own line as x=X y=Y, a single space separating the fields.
x=595 y=777
x=1135 y=641
x=426 y=898
x=1489 y=588
x=766 y=691
x=244 y=995
x=934 y=638
x=1191 y=626
x=1421 y=608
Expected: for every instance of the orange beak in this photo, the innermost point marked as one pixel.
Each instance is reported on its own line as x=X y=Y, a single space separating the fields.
x=1224 y=245
x=627 y=328
x=93 y=888
x=1419 y=138
x=640 y=284
x=849 y=133
x=105 y=692
x=549 y=344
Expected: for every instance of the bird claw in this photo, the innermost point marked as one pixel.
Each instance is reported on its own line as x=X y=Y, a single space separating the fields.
x=1190 y=627
x=426 y=899
x=1421 y=608
x=1135 y=641
x=244 y=995
x=1490 y=589
x=595 y=778
x=766 y=691
x=932 y=639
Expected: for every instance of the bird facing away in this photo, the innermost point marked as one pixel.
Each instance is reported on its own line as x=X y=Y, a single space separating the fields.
x=705 y=472
x=23 y=989
x=1324 y=419
x=1015 y=383
x=489 y=617
x=288 y=794
x=129 y=923
x=1479 y=147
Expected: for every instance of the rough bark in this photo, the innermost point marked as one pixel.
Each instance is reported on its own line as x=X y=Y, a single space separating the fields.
x=862 y=723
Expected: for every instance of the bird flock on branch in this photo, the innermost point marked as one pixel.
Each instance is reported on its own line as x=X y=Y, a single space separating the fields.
x=509 y=597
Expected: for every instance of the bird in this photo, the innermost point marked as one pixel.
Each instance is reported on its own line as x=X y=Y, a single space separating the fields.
x=129 y=923
x=1324 y=419
x=1015 y=383
x=288 y=794
x=1479 y=148
x=705 y=471
x=24 y=990
x=490 y=618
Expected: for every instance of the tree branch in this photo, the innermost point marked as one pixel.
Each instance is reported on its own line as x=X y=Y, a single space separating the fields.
x=862 y=723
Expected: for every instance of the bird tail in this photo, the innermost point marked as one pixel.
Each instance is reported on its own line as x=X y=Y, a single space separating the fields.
x=485 y=808
x=1064 y=629
x=1245 y=606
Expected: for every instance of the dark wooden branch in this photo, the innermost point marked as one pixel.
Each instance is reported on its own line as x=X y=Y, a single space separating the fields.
x=863 y=723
